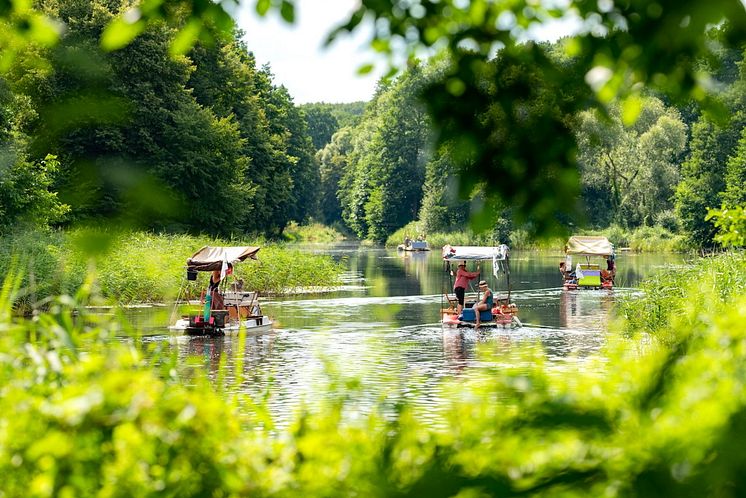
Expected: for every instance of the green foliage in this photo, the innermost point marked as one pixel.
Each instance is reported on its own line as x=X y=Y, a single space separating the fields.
x=713 y=173
x=703 y=178
x=314 y=233
x=333 y=161
x=668 y=220
x=465 y=237
x=655 y=239
x=188 y=139
x=105 y=422
x=26 y=196
x=138 y=267
x=673 y=296
x=735 y=174
x=381 y=189
x=322 y=124
x=644 y=239
x=731 y=225
x=344 y=115
x=629 y=172
x=442 y=210
x=522 y=145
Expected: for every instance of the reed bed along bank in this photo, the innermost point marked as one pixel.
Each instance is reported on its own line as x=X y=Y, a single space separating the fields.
x=643 y=239
x=139 y=267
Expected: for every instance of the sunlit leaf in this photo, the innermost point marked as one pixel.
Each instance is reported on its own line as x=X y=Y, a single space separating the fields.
x=119 y=33
x=186 y=37
x=631 y=109
x=44 y=31
x=365 y=69
x=287 y=11
x=262 y=7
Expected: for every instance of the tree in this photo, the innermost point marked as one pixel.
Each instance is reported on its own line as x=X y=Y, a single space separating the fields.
x=618 y=48
x=321 y=124
x=704 y=172
x=26 y=195
x=333 y=162
x=382 y=188
x=442 y=210
x=630 y=168
x=132 y=141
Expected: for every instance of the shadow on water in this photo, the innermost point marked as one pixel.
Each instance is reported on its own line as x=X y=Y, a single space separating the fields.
x=384 y=328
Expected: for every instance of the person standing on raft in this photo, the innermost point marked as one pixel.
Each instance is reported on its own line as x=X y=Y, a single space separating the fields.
x=462 y=281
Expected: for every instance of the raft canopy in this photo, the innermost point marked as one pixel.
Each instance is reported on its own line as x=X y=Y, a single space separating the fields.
x=589 y=246
x=475 y=253
x=212 y=258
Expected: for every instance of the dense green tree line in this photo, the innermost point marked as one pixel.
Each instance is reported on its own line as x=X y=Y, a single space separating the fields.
x=640 y=162
x=189 y=134
x=203 y=142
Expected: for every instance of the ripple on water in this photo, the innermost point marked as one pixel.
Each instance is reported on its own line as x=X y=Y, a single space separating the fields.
x=395 y=344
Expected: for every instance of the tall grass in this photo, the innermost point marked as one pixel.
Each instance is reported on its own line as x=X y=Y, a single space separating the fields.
x=518 y=239
x=138 y=267
x=644 y=239
x=672 y=293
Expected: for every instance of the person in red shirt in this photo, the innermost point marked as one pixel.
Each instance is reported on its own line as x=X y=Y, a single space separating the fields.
x=462 y=281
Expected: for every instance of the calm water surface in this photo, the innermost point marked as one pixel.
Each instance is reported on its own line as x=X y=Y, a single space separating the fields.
x=383 y=327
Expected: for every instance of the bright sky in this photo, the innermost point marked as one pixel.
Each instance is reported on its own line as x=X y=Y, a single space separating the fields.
x=296 y=55
x=314 y=73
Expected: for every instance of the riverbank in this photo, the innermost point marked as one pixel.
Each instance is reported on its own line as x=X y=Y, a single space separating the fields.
x=139 y=267
x=644 y=239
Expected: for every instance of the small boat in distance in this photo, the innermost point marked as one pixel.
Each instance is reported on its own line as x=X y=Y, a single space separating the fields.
x=591 y=274
x=504 y=312
x=414 y=245
x=222 y=309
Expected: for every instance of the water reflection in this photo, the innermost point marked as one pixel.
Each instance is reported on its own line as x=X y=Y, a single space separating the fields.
x=383 y=327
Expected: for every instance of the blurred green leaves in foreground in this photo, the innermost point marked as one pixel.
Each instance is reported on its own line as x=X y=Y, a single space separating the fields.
x=660 y=413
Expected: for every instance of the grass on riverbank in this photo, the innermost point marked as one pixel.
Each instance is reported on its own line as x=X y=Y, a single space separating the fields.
x=643 y=239
x=138 y=267
x=645 y=420
x=671 y=294
x=313 y=233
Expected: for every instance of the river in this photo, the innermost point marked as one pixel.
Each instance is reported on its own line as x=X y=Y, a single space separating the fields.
x=381 y=331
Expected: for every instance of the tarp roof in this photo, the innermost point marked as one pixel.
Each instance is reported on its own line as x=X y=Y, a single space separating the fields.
x=474 y=253
x=211 y=258
x=589 y=246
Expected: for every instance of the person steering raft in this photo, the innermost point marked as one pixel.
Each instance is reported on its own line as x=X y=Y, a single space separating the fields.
x=461 y=283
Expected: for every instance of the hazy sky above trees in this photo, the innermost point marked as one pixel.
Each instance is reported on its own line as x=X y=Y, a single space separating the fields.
x=314 y=73
x=300 y=62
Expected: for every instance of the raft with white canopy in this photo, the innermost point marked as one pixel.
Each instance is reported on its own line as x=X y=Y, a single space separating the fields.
x=504 y=312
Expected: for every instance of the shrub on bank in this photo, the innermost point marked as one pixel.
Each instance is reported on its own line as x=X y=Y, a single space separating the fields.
x=643 y=239
x=436 y=240
x=313 y=233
